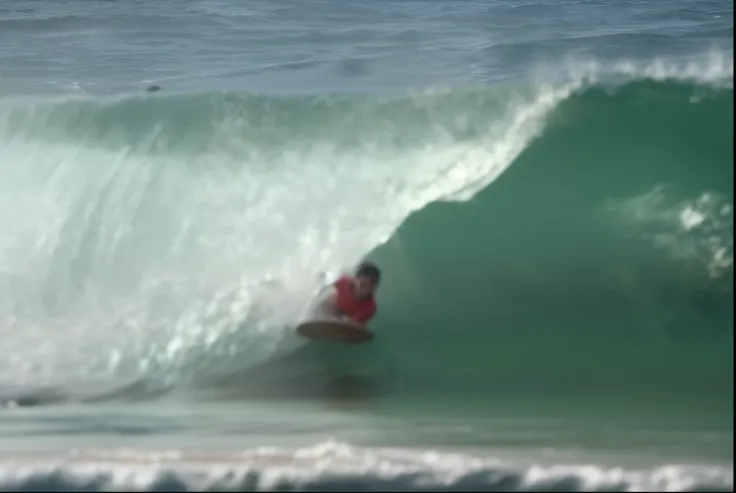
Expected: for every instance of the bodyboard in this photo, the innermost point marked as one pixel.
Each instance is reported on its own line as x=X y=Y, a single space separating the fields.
x=334 y=330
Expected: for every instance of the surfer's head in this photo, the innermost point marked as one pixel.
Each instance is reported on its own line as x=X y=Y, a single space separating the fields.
x=366 y=279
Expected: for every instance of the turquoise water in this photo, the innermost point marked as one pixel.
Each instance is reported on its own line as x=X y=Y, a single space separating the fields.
x=548 y=188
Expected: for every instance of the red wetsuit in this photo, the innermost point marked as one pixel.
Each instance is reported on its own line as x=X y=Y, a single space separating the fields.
x=360 y=310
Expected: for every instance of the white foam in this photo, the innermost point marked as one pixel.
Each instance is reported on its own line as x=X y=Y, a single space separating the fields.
x=699 y=228
x=336 y=465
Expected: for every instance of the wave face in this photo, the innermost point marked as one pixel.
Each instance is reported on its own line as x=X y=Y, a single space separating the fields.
x=568 y=234
x=604 y=255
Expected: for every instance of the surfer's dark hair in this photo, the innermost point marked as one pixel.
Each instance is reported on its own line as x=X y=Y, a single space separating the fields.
x=369 y=269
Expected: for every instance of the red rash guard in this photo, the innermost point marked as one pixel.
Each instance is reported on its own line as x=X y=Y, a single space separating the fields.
x=360 y=310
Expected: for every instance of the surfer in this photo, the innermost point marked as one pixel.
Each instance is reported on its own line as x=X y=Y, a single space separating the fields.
x=351 y=297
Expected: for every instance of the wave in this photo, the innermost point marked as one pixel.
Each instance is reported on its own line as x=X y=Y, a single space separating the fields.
x=530 y=232
x=334 y=466
x=603 y=256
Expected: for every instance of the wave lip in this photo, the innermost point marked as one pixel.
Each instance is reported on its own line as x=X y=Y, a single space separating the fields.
x=333 y=466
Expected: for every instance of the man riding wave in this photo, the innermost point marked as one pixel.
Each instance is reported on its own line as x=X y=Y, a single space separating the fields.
x=351 y=298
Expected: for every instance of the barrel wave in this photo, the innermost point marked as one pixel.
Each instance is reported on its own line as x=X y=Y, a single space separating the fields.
x=546 y=237
x=602 y=258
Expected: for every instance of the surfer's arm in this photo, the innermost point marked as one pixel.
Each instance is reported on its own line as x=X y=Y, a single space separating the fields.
x=364 y=319
x=325 y=304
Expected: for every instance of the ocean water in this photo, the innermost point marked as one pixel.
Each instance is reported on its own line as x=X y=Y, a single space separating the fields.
x=548 y=187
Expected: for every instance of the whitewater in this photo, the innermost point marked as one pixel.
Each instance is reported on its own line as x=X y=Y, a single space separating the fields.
x=556 y=239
